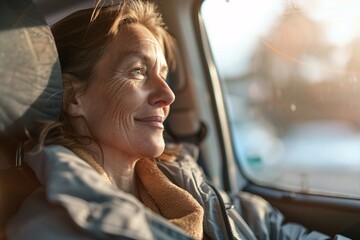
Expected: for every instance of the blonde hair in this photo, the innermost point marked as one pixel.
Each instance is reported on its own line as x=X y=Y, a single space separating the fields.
x=80 y=40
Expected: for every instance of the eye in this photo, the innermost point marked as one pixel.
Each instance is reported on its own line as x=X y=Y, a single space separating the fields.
x=138 y=72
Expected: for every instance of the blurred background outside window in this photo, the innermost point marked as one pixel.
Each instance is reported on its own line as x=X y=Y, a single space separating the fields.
x=290 y=72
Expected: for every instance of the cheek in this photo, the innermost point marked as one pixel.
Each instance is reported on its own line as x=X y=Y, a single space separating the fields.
x=122 y=102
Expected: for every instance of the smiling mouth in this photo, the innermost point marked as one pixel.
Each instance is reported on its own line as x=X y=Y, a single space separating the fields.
x=153 y=121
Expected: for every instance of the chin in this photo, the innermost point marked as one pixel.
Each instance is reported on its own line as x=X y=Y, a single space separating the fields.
x=153 y=151
x=159 y=151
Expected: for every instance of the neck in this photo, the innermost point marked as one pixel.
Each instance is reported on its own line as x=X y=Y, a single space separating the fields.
x=121 y=173
x=118 y=167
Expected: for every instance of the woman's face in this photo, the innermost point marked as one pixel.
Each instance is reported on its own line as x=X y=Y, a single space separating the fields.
x=128 y=100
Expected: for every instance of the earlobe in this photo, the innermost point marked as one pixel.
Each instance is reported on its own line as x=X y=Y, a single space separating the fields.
x=74 y=109
x=72 y=99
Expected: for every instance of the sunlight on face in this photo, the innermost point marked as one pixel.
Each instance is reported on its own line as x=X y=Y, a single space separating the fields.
x=126 y=104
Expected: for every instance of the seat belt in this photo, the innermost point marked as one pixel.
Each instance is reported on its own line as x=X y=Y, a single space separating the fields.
x=240 y=223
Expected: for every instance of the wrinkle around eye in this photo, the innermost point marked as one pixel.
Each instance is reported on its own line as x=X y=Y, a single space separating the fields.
x=119 y=73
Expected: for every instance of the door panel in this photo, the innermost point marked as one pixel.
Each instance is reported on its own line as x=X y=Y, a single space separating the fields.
x=328 y=215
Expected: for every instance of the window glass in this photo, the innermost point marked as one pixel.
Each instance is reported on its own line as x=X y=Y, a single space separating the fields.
x=290 y=72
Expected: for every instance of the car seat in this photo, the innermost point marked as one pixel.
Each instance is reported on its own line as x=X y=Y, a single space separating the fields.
x=30 y=89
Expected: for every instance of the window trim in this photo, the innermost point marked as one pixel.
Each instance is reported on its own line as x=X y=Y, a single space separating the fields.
x=232 y=175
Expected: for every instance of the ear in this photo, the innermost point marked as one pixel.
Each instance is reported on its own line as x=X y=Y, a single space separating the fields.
x=72 y=97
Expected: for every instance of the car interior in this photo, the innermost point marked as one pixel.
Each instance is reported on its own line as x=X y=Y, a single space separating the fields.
x=31 y=83
x=31 y=90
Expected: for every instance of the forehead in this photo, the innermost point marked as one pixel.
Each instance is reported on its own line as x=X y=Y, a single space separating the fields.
x=132 y=43
x=136 y=38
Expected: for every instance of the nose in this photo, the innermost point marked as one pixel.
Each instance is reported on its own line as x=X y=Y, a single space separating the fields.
x=161 y=94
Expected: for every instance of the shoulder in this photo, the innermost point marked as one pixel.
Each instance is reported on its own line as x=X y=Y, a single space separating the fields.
x=75 y=199
x=53 y=160
x=49 y=153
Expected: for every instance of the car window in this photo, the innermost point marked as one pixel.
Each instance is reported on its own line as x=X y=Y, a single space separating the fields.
x=290 y=75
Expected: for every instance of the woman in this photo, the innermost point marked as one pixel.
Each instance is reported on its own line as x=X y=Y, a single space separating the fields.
x=97 y=163
x=104 y=169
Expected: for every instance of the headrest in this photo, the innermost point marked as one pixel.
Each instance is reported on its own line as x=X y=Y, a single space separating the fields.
x=30 y=76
